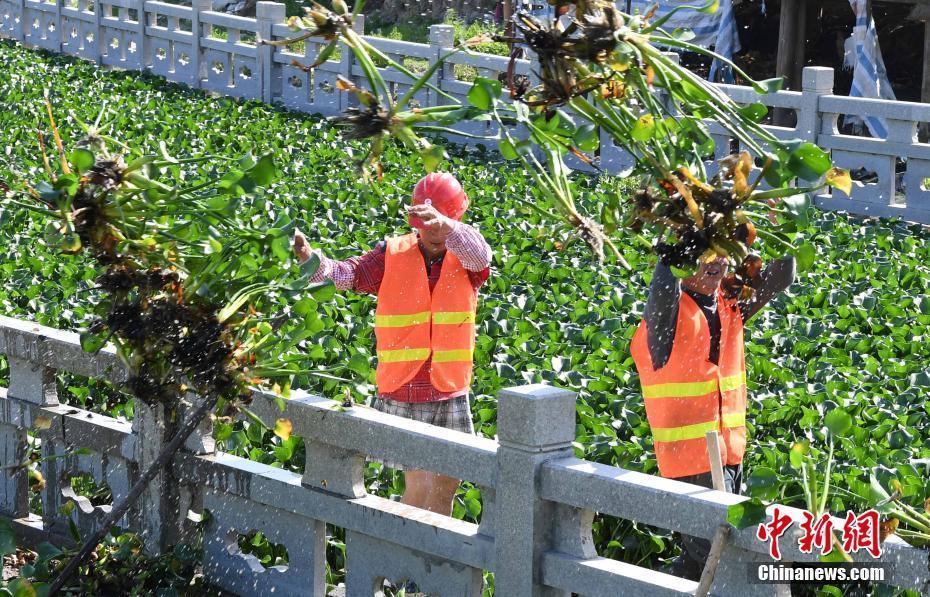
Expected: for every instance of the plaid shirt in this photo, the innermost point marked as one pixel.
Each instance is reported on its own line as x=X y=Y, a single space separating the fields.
x=365 y=272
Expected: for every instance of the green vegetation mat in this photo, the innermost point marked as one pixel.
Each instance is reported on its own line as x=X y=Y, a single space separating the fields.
x=852 y=333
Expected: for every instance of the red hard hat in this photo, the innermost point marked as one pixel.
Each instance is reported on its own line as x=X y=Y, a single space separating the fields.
x=443 y=192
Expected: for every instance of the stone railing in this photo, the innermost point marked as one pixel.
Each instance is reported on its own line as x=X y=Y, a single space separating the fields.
x=538 y=500
x=219 y=53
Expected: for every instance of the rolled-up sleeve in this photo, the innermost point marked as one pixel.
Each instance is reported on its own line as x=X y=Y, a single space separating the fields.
x=469 y=246
x=361 y=273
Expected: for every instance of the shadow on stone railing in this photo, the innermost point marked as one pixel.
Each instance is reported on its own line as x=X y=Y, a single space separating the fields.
x=538 y=500
x=220 y=53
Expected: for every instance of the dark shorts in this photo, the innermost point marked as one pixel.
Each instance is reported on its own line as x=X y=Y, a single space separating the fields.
x=695 y=550
x=454 y=413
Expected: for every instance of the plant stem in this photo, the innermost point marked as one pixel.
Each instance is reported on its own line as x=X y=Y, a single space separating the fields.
x=837 y=545
x=911 y=517
x=917 y=514
x=431 y=128
x=914 y=538
x=826 y=481
x=135 y=492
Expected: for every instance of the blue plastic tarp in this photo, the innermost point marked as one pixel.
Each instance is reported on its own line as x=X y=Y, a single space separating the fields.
x=864 y=56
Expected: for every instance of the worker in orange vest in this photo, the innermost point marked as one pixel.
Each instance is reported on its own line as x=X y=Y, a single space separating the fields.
x=427 y=285
x=689 y=353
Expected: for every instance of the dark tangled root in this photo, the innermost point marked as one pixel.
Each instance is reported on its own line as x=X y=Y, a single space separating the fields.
x=106 y=174
x=593 y=235
x=691 y=244
x=364 y=123
x=177 y=344
x=122 y=279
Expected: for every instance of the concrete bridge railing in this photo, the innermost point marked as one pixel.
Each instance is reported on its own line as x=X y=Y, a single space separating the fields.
x=538 y=500
x=219 y=53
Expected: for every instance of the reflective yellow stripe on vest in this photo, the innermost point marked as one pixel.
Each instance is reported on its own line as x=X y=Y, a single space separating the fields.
x=680 y=390
x=451 y=356
x=402 y=355
x=677 y=434
x=454 y=317
x=734 y=420
x=400 y=321
x=733 y=382
x=694 y=389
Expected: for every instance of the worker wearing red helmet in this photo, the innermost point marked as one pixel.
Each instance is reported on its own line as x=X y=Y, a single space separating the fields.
x=427 y=285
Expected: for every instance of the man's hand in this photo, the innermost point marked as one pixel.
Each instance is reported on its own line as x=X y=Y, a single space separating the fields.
x=301 y=247
x=434 y=221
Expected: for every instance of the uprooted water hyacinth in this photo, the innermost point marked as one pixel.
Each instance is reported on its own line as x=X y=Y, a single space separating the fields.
x=604 y=76
x=175 y=291
x=378 y=113
x=174 y=298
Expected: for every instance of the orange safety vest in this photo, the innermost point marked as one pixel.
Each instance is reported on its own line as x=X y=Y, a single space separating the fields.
x=412 y=324
x=690 y=395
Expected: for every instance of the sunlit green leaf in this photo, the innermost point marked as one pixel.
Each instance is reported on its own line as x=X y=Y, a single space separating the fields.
x=747 y=513
x=838 y=422
x=81 y=159
x=644 y=128
x=805 y=255
x=809 y=162
x=586 y=137
x=484 y=92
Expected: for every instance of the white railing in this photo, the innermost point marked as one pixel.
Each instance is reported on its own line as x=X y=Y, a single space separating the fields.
x=219 y=53
x=538 y=500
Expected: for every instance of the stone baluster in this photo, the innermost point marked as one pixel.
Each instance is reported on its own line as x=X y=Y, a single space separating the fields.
x=535 y=423
x=268 y=14
x=31 y=381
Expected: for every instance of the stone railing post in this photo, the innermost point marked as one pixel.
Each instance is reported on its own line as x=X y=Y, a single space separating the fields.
x=334 y=470
x=30 y=381
x=536 y=423
x=268 y=14
x=440 y=36
x=143 y=47
x=346 y=64
x=162 y=509
x=98 y=30
x=146 y=19
x=58 y=34
x=150 y=426
x=816 y=81
x=198 y=62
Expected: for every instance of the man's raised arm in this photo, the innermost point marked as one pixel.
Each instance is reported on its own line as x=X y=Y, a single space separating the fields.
x=775 y=279
x=342 y=273
x=661 y=314
x=469 y=246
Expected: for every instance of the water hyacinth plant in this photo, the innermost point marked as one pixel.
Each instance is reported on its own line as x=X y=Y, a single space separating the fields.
x=599 y=72
x=181 y=309
x=176 y=294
